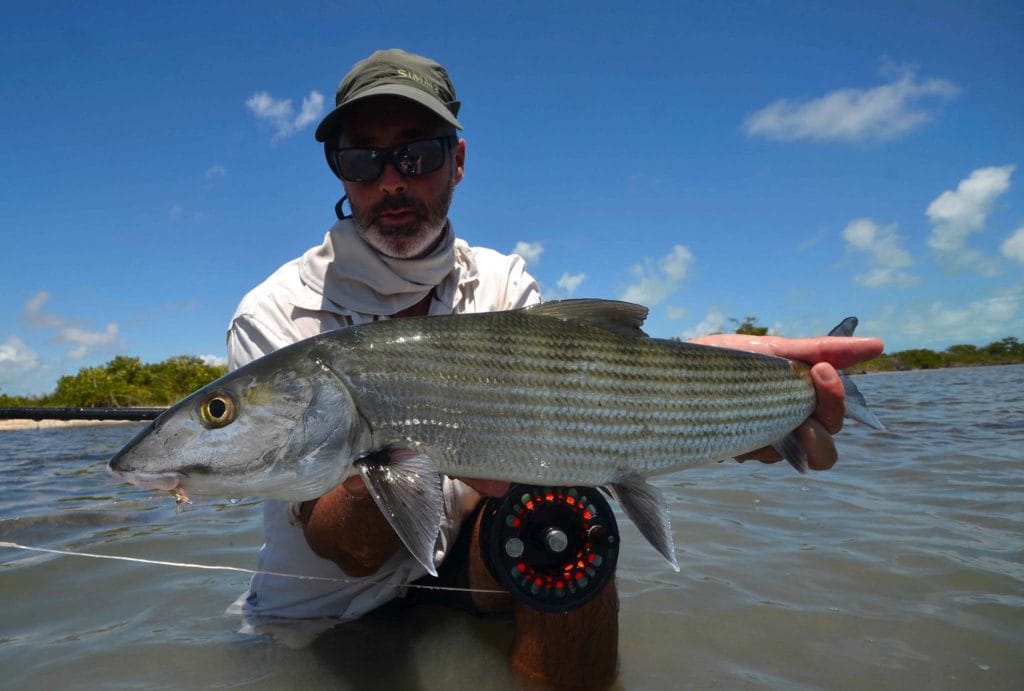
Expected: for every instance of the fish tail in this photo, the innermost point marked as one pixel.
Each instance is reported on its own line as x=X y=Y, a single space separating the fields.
x=789 y=447
x=856 y=407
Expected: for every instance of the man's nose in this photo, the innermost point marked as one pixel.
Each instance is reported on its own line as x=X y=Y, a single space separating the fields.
x=391 y=181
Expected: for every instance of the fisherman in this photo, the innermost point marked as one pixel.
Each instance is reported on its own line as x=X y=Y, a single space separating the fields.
x=393 y=142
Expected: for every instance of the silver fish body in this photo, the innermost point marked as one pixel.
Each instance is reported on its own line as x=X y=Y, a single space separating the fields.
x=566 y=393
x=514 y=396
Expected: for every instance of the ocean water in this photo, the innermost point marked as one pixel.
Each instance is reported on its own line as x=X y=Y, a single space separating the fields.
x=903 y=567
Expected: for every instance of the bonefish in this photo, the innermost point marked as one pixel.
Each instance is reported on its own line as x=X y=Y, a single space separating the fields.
x=562 y=393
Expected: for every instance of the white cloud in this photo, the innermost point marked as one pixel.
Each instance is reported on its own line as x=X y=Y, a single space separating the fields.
x=67 y=330
x=529 y=251
x=885 y=256
x=938 y=324
x=280 y=114
x=955 y=214
x=312 y=107
x=15 y=354
x=18 y=365
x=1013 y=246
x=84 y=340
x=675 y=313
x=656 y=282
x=34 y=315
x=877 y=114
x=570 y=282
x=215 y=360
x=216 y=171
x=713 y=322
x=811 y=242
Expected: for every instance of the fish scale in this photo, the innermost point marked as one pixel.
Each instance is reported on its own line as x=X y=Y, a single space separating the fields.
x=501 y=392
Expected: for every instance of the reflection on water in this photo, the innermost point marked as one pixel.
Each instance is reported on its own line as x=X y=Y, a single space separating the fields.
x=902 y=567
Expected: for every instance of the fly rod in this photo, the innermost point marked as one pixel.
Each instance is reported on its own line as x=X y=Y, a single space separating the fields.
x=72 y=413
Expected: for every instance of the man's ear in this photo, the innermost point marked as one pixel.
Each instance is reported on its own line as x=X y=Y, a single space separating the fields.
x=460 y=160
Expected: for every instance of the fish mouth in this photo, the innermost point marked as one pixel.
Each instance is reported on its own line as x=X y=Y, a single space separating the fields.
x=165 y=481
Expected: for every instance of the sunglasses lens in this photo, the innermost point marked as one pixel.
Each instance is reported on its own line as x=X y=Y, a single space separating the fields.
x=359 y=165
x=419 y=158
x=412 y=159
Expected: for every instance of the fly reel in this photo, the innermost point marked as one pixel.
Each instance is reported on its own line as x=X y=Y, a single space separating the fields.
x=553 y=548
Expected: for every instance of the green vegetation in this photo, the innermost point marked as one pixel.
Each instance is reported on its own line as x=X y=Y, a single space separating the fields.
x=126 y=381
x=1005 y=352
x=749 y=326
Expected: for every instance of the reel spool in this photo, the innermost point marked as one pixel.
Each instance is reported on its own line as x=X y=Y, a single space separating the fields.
x=553 y=548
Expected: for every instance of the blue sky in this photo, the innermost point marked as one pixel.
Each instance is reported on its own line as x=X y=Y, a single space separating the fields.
x=795 y=161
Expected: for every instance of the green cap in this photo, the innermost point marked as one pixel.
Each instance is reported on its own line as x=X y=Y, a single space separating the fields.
x=393 y=73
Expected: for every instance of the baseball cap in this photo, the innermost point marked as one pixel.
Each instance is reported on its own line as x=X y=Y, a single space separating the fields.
x=393 y=72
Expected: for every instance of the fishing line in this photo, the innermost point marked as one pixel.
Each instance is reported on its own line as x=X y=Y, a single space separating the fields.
x=219 y=567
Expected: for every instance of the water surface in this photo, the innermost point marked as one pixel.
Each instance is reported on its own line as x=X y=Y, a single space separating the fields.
x=903 y=567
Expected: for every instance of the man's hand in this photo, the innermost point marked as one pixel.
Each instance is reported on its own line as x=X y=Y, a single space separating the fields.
x=825 y=353
x=488 y=488
x=346 y=527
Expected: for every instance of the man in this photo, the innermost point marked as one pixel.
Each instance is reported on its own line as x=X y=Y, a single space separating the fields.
x=392 y=142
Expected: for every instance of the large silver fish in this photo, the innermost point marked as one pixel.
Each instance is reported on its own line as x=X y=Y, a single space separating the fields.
x=563 y=393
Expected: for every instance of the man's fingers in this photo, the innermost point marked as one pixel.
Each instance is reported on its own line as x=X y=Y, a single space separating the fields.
x=355 y=486
x=818 y=444
x=765 y=454
x=840 y=351
x=831 y=397
x=816 y=441
x=489 y=488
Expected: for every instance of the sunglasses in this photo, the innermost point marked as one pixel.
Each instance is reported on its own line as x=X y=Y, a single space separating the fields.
x=365 y=164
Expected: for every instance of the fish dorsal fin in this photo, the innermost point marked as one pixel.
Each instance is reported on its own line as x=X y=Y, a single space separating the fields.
x=407 y=488
x=645 y=506
x=611 y=315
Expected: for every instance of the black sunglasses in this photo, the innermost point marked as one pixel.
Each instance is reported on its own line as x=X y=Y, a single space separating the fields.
x=365 y=164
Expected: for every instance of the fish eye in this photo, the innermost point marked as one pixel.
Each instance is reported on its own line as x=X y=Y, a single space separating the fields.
x=217 y=410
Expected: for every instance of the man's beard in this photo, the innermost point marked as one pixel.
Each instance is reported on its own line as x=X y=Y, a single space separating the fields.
x=409 y=240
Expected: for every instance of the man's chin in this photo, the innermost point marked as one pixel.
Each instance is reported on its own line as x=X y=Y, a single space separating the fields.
x=401 y=242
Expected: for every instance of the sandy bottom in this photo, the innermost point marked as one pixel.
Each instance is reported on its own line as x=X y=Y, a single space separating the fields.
x=14 y=425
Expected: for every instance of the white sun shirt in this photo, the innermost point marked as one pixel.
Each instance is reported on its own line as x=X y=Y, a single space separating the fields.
x=297 y=302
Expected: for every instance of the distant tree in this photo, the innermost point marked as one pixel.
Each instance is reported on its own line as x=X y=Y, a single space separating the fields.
x=1006 y=348
x=15 y=401
x=919 y=358
x=126 y=381
x=177 y=376
x=749 y=326
x=963 y=350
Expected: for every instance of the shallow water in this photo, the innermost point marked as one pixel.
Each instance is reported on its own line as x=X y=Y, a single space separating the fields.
x=903 y=567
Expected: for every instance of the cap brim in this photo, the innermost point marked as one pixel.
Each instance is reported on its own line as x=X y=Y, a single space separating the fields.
x=331 y=124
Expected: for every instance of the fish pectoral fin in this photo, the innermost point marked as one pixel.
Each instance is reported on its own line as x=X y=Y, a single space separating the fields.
x=789 y=448
x=407 y=488
x=645 y=506
x=624 y=318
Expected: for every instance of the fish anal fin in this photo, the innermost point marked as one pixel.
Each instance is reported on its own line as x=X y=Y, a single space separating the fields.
x=789 y=447
x=408 y=489
x=645 y=506
x=611 y=315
